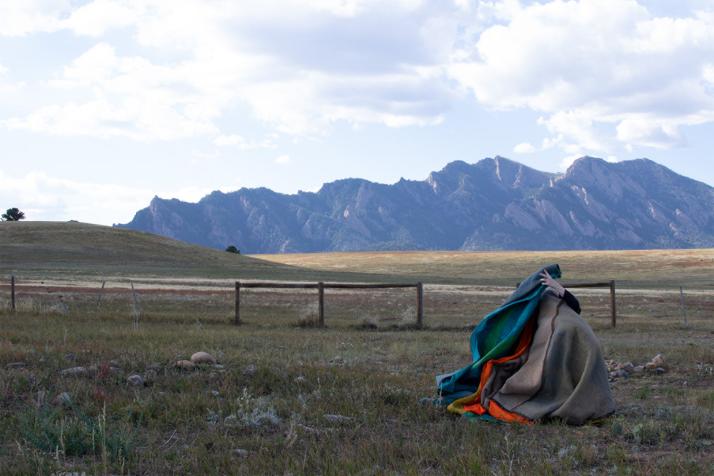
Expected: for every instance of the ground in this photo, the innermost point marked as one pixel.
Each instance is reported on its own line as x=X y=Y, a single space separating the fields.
x=280 y=379
x=289 y=398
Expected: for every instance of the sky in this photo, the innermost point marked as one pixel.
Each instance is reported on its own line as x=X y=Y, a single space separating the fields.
x=105 y=104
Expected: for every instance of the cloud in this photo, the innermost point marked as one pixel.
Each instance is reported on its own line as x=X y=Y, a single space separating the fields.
x=282 y=159
x=603 y=72
x=43 y=197
x=120 y=96
x=524 y=148
x=236 y=140
x=299 y=65
x=24 y=17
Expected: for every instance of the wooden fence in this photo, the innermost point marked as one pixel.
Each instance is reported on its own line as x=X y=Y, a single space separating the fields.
x=321 y=286
x=606 y=284
x=321 y=295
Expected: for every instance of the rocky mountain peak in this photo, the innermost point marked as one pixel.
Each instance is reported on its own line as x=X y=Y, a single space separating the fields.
x=495 y=203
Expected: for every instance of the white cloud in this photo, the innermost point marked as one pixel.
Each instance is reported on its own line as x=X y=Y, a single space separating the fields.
x=300 y=65
x=236 y=140
x=524 y=148
x=603 y=72
x=120 y=96
x=282 y=159
x=23 y=17
x=42 y=197
x=95 y=18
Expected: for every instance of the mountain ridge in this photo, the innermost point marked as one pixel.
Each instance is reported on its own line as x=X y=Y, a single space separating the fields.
x=495 y=203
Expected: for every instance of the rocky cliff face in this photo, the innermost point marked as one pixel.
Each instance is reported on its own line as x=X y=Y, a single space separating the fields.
x=493 y=204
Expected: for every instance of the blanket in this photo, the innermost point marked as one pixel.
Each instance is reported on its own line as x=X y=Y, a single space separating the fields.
x=534 y=358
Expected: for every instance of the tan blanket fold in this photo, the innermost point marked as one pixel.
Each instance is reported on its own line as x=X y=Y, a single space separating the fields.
x=563 y=376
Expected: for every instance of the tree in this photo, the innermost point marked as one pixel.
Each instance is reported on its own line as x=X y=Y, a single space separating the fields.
x=233 y=249
x=13 y=214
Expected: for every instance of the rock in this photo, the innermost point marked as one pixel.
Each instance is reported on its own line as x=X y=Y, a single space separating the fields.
x=114 y=363
x=300 y=379
x=660 y=370
x=74 y=372
x=337 y=418
x=241 y=453
x=135 y=380
x=250 y=370
x=616 y=374
x=638 y=369
x=203 y=358
x=62 y=399
x=230 y=420
x=627 y=367
x=215 y=393
x=212 y=417
x=185 y=365
x=16 y=365
x=155 y=366
x=650 y=366
x=219 y=367
x=658 y=360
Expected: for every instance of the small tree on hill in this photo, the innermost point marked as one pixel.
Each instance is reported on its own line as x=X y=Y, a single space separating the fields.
x=13 y=214
x=233 y=249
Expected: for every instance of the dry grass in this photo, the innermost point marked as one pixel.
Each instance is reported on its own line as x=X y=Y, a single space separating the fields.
x=264 y=411
x=650 y=268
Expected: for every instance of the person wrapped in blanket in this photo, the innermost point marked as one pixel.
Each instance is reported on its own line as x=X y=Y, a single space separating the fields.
x=533 y=359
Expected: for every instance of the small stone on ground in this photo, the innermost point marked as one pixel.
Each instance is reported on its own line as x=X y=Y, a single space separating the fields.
x=203 y=358
x=185 y=365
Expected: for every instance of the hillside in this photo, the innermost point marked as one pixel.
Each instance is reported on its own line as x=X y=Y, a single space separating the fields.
x=494 y=204
x=56 y=249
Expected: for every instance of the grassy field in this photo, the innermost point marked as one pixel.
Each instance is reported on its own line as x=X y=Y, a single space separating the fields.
x=643 y=268
x=69 y=250
x=288 y=398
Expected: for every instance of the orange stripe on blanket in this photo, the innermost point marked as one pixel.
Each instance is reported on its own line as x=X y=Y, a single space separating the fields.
x=494 y=409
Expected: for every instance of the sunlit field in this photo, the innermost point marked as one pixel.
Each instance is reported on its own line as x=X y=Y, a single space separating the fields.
x=287 y=397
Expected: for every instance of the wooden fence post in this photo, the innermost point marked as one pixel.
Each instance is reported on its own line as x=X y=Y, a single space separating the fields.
x=613 y=308
x=135 y=307
x=99 y=298
x=681 y=303
x=420 y=304
x=12 y=292
x=237 y=316
x=321 y=304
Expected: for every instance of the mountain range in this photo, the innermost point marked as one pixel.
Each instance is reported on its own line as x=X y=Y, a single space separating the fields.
x=494 y=204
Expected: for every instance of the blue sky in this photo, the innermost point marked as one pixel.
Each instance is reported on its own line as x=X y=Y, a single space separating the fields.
x=106 y=103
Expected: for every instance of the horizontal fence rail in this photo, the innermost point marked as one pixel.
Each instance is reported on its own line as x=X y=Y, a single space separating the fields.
x=321 y=294
x=602 y=284
x=16 y=293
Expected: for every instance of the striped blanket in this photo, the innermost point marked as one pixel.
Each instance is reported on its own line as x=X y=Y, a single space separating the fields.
x=533 y=359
